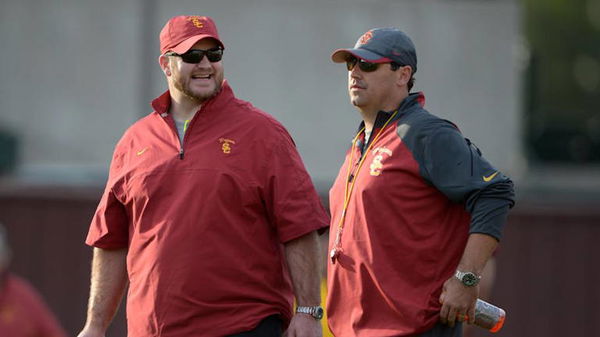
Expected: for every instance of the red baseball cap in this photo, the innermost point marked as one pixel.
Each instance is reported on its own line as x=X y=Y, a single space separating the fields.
x=180 y=33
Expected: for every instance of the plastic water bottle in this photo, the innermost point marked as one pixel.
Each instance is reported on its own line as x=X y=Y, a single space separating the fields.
x=489 y=316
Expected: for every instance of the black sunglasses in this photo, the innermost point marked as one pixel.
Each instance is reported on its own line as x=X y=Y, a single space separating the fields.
x=365 y=66
x=196 y=55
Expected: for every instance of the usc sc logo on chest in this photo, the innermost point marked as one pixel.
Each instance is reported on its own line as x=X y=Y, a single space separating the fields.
x=226 y=145
x=379 y=154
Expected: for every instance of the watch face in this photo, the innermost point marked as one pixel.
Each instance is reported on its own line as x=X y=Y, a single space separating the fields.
x=470 y=279
x=318 y=313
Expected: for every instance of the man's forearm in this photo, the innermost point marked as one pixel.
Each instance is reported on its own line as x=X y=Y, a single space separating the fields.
x=302 y=256
x=108 y=283
x=457 y=299
x=478 y=250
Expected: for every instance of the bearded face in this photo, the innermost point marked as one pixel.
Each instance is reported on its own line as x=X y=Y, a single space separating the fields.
x=197 y=82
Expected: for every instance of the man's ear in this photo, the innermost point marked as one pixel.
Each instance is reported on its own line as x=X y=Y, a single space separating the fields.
x=404 y=75
x=165 y=64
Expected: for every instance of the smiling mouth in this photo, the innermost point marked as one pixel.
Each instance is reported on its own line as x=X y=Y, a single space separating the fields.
x=201 y=77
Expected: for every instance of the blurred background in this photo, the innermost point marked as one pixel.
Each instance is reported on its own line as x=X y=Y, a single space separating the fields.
x=521 y=78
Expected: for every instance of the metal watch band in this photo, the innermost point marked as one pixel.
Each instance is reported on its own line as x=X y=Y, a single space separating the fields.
x=469 y=279
x=315 y=311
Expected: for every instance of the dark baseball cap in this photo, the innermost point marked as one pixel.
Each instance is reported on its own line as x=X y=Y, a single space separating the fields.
x=180 y=33
x=381 y=45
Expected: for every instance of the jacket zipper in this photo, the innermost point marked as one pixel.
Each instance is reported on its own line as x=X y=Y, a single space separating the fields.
x=173 y=127
x=186 y=126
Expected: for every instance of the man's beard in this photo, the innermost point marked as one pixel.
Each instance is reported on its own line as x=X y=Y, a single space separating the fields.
x=197 y=97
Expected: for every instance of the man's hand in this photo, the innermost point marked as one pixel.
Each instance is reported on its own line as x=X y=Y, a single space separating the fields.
x=304 y=325
x=457 y=301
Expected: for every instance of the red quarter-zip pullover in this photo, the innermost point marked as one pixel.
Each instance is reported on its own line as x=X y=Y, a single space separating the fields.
x=204 y=221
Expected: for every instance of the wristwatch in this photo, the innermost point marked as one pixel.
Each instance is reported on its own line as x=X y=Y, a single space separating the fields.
x=316 y=312
x=468 y=279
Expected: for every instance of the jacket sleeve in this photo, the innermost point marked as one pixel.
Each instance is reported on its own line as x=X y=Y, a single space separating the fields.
x=292 y=202
x=109 y=228
x=456 y=168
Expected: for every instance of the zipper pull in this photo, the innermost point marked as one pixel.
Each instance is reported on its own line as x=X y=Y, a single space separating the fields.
x=181 y=153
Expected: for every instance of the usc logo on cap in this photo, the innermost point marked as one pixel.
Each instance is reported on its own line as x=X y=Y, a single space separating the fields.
x=196 y=21
x=365 y=38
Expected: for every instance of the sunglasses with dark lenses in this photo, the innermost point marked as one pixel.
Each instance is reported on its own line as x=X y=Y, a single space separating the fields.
x=196 y=55
x=365 y=66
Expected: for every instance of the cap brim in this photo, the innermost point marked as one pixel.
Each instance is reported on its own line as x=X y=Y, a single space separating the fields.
x=341 y=55
x=188 y=43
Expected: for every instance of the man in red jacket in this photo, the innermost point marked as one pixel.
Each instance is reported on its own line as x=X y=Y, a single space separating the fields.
x=416 y=209
x=208 y=212
x=23 y=312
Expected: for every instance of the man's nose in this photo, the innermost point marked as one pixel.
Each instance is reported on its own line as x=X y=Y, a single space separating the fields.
x=355 y=72
x=204 y=62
